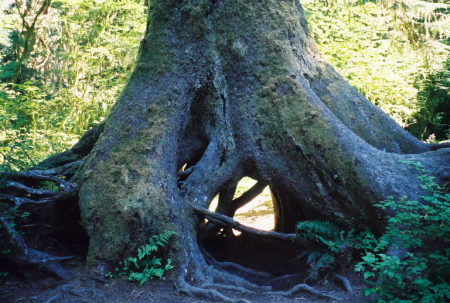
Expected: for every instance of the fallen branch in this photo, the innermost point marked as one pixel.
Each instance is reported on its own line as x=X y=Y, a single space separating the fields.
x=227 y=221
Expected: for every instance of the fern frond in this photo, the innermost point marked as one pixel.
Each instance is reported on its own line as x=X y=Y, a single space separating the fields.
x=324 y=229
x=147 y=265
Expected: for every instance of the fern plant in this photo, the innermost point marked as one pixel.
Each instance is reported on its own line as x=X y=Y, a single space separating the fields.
x=149 y=263
x=332 y=241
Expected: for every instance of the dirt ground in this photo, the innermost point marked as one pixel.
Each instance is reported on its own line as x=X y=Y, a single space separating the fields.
x=84 y=289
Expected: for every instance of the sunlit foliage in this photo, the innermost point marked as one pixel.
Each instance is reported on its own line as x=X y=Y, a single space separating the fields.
x=67 y=76
x=64 y=63
x=386 y=48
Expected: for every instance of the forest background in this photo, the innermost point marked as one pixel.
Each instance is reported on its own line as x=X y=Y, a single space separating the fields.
x=64 y=63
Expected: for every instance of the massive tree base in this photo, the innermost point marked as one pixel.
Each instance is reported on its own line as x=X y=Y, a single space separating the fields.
x=239 y=90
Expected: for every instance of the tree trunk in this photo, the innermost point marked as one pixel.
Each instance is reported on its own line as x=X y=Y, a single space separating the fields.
x=232 y=89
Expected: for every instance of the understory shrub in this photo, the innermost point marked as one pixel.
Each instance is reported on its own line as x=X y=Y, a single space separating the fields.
x=409 y=262
x=420 y=231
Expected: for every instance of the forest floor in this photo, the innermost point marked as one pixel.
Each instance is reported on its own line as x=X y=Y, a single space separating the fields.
x=38 y=287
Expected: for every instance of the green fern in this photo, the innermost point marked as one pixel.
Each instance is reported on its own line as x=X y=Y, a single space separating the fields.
x=323 y=232
x=318 y=263
x=149 y=262
x=155 y=242
x=333 y=241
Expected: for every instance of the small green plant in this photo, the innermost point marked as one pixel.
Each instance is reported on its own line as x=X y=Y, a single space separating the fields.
x=419 y=231
x=333 y=246
x=149 y=262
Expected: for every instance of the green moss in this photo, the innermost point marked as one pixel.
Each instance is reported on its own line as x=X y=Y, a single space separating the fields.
x=122 y=198
x=155 y=55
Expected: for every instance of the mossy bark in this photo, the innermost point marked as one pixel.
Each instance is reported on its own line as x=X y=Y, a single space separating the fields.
x=232 y=89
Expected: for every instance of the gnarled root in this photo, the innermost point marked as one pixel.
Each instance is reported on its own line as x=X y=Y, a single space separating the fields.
x=62 y=293
x=42 y=203
x=306 y=288
x=343 y=281
x=21 y=255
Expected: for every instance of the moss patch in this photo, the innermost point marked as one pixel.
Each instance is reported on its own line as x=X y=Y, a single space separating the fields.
x=122 y=197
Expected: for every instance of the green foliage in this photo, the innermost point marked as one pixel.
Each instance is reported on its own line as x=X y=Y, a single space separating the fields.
x=61 y=74
x=83 y=53
x=323 y=232
x=409 y=262
x=148 y=263
x=419 y=231
x=333 y=249
x=393 y=52
x=433 y=118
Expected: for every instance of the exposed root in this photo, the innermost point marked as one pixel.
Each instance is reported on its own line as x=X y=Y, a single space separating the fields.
x=228 y=287
x=222 y=276
x=344 y=282
x=436 y=146
x=203 y=291
x=21 y=192
x=185 y=172
x=38 y=176
x=210 y=294
x=232 y=266
x=246 y=197
x=63 y=170
x=285 y=280
x=83 y=294
x=23 y=189
x=306 y=288
x=22 y=255
x=240 y=268
x=21 y=201
x=211 y=281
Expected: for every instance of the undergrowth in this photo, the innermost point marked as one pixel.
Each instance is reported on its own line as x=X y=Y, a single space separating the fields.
x=333 y=249
x=149 y=263
x=409 y=262
x=420 y=231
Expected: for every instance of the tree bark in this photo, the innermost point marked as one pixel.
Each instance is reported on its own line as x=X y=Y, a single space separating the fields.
x=232 y=89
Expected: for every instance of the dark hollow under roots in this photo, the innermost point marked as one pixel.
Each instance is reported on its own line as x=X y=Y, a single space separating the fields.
x=244 y=265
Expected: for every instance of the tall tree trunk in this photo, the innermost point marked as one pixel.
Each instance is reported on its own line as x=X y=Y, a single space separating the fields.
x=232 y=89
